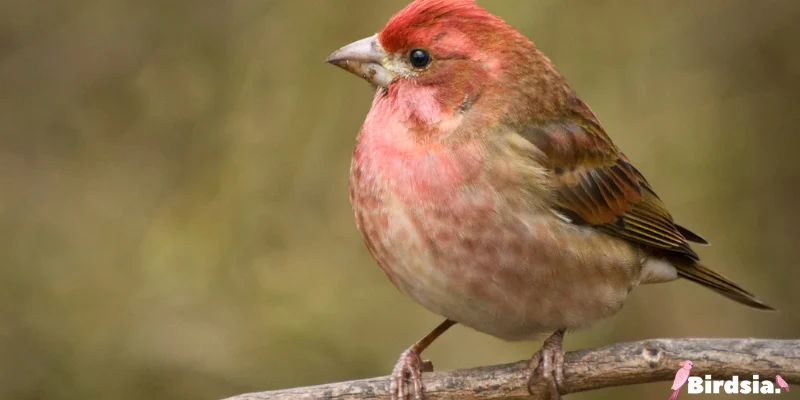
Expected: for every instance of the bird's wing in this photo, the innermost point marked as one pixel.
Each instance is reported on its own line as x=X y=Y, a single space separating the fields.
x=680 y=378
x=595 y=184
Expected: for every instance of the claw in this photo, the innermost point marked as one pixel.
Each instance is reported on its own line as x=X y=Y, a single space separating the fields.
x=548 y=364
x=427 y=366
x=410 y=366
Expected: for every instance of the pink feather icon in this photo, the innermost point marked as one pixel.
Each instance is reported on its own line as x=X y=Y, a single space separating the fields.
x=782 y=383
x=680 y=378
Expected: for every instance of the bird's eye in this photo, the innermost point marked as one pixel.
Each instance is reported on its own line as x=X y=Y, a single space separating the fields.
x=419 y=58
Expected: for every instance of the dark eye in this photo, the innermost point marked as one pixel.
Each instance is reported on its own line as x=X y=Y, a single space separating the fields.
x=419 y=58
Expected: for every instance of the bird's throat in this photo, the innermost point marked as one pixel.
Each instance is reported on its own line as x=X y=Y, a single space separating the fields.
x=393 y=150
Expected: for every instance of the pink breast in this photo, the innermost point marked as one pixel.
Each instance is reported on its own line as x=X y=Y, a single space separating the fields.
x=411 y=156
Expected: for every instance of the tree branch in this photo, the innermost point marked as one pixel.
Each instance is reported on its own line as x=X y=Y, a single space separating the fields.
x=615 y=365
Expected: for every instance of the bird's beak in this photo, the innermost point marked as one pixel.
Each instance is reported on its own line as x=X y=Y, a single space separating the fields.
x=364 y=58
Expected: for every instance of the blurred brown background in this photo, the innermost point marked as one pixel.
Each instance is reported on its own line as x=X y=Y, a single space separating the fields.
x=174 y=220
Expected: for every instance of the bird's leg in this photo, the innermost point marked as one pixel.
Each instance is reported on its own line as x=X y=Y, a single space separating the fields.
x=548 y=364
x=411 y=365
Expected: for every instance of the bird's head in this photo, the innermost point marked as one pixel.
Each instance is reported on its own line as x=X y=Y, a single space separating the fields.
x=425 y=43
x=446 y=55
x=686 y=364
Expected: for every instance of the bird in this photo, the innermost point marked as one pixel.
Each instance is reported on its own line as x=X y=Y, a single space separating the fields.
x=490 y=193
x=680 y=378
x=782 y=383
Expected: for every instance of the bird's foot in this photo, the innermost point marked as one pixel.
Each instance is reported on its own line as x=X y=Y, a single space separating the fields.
x=547 y=364
x=410 y=366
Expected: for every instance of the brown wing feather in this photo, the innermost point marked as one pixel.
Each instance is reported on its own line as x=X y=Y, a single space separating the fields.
x=596 y=185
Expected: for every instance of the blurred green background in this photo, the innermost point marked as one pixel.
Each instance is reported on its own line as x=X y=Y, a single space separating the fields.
x=174 y=214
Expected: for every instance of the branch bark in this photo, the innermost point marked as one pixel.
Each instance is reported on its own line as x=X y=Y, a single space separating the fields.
x=614 y=365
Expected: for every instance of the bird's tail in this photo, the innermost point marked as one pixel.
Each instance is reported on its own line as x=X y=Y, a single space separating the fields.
x=675 y=394
x=700 y=274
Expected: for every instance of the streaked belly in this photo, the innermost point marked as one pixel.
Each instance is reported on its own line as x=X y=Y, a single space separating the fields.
x=509 y=273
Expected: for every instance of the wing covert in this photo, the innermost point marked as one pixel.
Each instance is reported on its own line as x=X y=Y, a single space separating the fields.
x=595 y=184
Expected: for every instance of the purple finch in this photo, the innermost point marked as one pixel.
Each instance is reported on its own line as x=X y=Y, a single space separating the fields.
x=488 y=191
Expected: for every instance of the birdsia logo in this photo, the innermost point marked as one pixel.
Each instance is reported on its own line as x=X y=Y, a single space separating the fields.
x=697 y=385
x=707 y=385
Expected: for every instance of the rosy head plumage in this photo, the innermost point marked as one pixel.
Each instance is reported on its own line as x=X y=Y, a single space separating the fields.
x=439 y=59
x=430 y=22
x=425 y=41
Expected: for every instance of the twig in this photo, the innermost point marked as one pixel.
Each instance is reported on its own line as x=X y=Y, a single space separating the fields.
x=615 y=365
